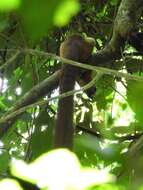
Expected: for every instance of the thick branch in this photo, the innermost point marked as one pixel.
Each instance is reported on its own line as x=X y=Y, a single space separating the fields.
x=125 y=22
x=37 y=92
x=30 y=97
x=7 y=120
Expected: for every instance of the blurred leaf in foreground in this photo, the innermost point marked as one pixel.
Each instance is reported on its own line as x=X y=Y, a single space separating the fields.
x=63 y=166
x=8 y=184
x=40 y=17
x=8 y=5
x=65 y=12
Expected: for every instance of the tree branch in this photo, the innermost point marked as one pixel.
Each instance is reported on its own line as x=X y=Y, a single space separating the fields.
x=125 y=22
x=10 y=116
x=9 y=61
x=85 y=66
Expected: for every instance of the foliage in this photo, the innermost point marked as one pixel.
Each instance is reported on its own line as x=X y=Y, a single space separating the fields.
x=62 y=165
x=107 y=125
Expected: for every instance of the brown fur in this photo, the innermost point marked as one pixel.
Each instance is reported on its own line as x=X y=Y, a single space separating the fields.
x=77 y=49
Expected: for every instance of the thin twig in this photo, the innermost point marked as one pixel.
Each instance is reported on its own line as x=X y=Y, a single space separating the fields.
x=10 y=60
x=81 y=65
x=40 y=103
x=85 y=66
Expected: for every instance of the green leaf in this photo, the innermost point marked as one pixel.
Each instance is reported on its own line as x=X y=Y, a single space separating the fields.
x=8 y=5
x=4 y=160
x=111 y=187
x=43 y=134
x=91 y=144
x=65 y=12
x=114 y=2
x=41 y=141
x=2 y=105
x=104 y=91
x=135 y=98
x=37 y=16
x=3 y=25
x=27 y=82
